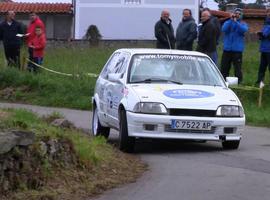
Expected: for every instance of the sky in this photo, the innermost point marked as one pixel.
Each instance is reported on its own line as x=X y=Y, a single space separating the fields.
x=211 y=4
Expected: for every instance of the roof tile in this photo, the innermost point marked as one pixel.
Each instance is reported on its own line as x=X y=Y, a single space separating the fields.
x=36 y=7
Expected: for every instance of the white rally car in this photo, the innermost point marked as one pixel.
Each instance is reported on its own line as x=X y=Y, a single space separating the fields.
x=170 y=94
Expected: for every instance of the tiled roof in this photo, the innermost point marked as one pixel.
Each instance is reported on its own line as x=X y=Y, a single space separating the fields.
x=256 y=13
x=248 y=13
x=221 y=14
x=36 y=7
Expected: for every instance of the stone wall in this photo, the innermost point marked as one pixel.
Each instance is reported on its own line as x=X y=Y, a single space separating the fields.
x=25 y=163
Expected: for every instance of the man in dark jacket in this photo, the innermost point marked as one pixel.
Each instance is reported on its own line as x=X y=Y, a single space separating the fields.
x=8 y=31
x=264 y=36
x=217 y=25
x=164 y=32
x=186 y=31
x=234 y=31
x=207 y=35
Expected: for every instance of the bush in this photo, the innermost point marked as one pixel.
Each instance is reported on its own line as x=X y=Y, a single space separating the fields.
x=93 y=35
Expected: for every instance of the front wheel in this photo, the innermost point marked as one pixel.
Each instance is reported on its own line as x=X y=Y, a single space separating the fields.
x=97 y=128
x=231 y=144
x=126 y=143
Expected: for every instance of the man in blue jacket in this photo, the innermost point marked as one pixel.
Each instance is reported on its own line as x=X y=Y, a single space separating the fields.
x=264 y=36
x=234 y=31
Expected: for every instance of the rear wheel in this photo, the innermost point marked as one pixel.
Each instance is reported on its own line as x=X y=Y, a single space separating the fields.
x=97 y=128
x=126 y=143
x=231 y=144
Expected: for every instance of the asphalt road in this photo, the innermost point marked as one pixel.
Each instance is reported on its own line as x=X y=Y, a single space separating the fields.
x=191 y=171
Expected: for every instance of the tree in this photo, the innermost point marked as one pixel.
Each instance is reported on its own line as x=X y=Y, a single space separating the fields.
x=203 y=3
x=93 y=35
x=261 y=2
x=222 y=3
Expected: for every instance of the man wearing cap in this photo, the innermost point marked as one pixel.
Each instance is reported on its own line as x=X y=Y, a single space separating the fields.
x=234 y=31
x=164 y=31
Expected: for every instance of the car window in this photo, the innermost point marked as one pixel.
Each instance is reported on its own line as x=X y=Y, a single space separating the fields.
x=178 y=68
x=123 y=62
x=110 y=65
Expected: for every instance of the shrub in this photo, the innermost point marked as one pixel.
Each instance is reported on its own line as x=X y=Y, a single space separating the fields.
x=93 y=35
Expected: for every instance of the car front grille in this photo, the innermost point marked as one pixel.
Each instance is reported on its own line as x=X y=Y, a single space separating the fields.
x=192 y=112
x=169 y=129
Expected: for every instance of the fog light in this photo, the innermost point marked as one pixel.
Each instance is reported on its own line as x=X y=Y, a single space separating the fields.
x=150 y=127
x=229 y=130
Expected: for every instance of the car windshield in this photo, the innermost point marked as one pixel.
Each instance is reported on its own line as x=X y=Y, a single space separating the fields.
x=175 y=69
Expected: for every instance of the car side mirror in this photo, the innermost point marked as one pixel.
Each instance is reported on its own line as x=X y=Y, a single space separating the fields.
x=115 y=77
x=231 y=81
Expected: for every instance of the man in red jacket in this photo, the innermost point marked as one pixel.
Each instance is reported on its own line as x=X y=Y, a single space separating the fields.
x=35 y=21
x=38 y=44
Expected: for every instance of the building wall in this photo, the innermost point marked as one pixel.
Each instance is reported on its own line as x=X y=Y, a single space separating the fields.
x=127 y=19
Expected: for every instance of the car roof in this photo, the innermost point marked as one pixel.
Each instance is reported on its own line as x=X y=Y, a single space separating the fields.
x=160 y=51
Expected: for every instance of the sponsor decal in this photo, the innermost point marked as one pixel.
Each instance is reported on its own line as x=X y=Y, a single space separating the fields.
x=167 y=56
x=187 y=94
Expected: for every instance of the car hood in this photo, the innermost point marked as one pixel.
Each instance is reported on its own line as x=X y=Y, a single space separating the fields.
x=186 y=96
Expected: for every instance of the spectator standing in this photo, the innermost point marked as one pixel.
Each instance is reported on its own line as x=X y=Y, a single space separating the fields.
x=217 y=25
x=264 y=36
x=207 y=35
x=8 y=31
x=35 y=21
x=186 y=31
x=234 y=31
x=38 y=44
x=164 y=32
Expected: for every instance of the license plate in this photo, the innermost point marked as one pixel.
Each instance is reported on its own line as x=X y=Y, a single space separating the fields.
x=191 y=125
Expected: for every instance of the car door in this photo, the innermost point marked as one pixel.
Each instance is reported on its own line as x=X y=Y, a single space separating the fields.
x=102 y=87
x=115 y=89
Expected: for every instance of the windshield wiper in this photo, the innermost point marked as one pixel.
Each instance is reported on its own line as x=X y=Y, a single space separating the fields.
x=151 y=80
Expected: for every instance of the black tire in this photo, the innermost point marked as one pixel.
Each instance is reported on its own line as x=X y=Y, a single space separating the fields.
x=97 y=128
x=126 y=143
x=231 y=144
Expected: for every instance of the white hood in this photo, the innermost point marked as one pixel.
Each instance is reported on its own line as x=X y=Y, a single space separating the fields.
x=186 y=96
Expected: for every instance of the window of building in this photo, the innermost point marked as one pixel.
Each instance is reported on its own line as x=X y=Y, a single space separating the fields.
x=133 y=1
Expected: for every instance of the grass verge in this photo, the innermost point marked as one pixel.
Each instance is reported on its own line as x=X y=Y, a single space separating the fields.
x=48 y=89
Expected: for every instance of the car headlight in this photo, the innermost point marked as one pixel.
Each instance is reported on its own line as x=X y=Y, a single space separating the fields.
x=150 y=108
x=230 y=111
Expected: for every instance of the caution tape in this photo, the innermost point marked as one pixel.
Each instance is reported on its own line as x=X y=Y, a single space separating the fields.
x=62 y=73
x=96 y=75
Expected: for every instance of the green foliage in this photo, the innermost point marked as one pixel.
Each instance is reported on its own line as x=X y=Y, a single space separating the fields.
x=95 y=150
x=50 y=89
x=89 y=150
x=20 y=119
x=93 y=35
x=249 y=98
x=222 y=3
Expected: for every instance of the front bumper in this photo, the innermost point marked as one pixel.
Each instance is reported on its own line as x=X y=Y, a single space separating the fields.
x=137 y=127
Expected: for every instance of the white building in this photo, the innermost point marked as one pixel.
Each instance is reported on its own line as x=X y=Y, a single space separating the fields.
x=127 y=19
